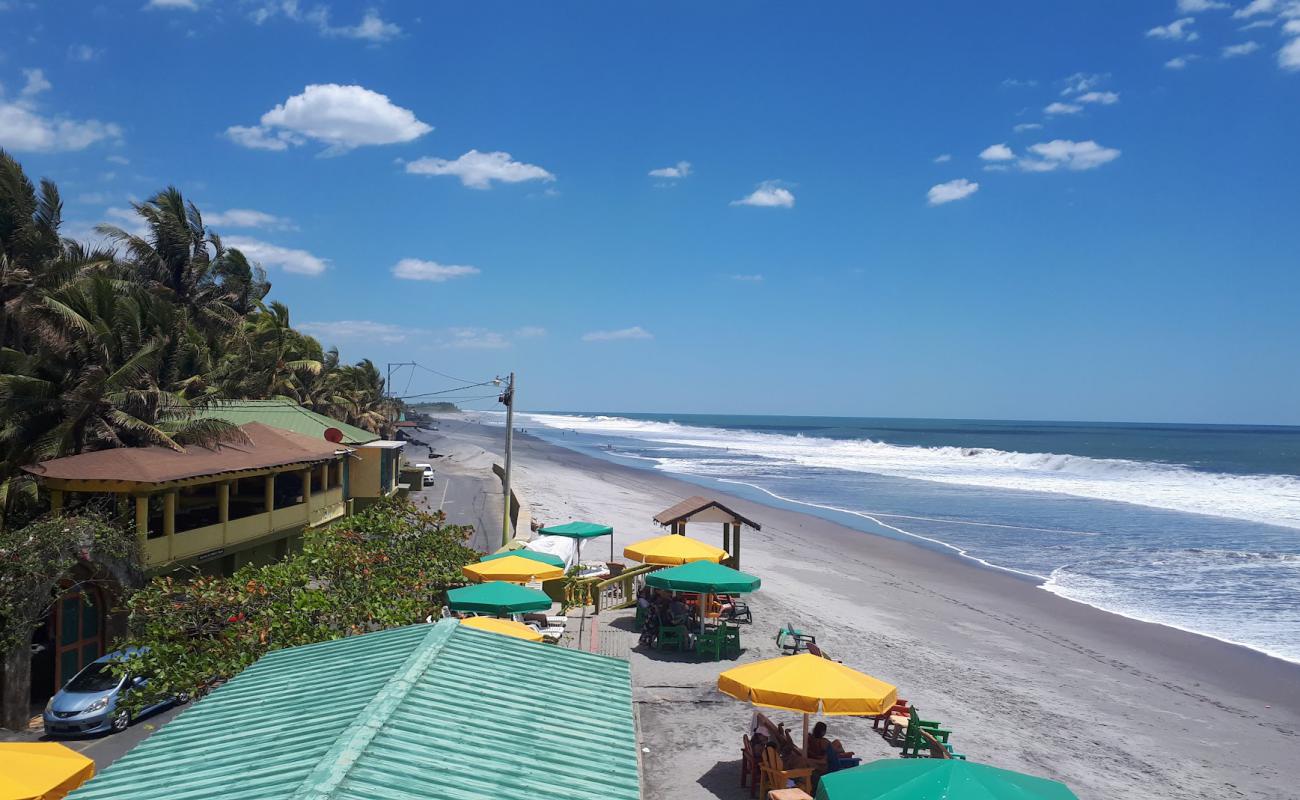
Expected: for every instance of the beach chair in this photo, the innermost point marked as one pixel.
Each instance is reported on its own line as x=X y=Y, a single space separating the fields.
x=773 y=775
x=893 y=722
x=919 y=733
x=671 y=636
x=739 y=612
x=748 y=766
x=791 y=640
x=731 y=640
x=938 y=749
x=709 y=643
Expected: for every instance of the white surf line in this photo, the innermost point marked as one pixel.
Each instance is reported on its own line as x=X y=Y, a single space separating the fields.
x=959 y=551
x=933 y=519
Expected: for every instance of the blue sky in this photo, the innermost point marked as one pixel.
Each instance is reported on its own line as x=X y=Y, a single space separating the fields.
x=854 y=211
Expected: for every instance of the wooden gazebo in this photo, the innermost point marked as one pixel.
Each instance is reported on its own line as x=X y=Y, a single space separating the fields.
x=704 y=509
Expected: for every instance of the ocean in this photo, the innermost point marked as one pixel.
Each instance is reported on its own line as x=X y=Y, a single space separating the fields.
x=1192 y=526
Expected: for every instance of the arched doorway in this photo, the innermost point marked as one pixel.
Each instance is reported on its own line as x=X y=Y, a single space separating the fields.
x=72 y=635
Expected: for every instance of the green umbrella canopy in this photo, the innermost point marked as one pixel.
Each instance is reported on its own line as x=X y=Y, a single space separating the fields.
x=578 y=530
x=497 y=597
x=937 y=779
x=703 y=577
x=545 y=558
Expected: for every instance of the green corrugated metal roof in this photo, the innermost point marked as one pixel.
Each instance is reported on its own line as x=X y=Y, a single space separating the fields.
x=285 y=415
x=426 y=711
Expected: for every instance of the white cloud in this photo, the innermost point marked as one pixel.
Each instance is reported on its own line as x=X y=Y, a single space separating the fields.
x=635 y=332
x=371 y=28
x=1243 y=49
x=128 y=220
x=748 y=278
x=679 y=170
x=478 y=170
x=1062 y=108
x=248 y=218
x=92 y=198
x=23 y=128
x=1259 y=23
x=1288 y=58
x=1255 y=7
x=1100 y=98
x=341 y=117
x=187 y=5
x=1181 y=62
x=475 y=339
x=530 y=332
x=1027 y=126
x=288 y=259
x=1292 y=27
x=997 y=152
x=361 y=330
x=1014 y=83
x=1081 y=82
x=1197 y=6
x=1066 y=154
x=84 y=52
x=116 y=159
x=769 y=194
x=35 y=82
x=950 y=191
x=1175 y=31
x=413 y=269
x=943 y=158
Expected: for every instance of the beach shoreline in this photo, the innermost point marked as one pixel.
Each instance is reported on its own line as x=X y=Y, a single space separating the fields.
x=1028 y=680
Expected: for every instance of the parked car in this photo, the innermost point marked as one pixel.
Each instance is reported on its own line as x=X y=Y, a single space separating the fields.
x=428 y=473
x=89 y=702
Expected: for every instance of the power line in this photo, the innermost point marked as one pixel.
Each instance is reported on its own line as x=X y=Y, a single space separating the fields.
x=447 y=391
x=441 y=374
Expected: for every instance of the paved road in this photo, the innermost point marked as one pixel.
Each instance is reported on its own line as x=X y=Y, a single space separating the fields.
x=470 y=497
x=106 y=749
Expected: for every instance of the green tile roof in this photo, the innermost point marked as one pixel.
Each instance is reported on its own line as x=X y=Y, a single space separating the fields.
x=285 y=415
x=426 y=711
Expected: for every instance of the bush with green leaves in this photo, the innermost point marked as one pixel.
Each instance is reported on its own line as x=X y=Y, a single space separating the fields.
x=388 y=566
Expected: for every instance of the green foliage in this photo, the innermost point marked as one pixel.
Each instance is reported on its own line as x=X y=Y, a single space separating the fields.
x=35 y=558
x=388 y=566
x=117 y=347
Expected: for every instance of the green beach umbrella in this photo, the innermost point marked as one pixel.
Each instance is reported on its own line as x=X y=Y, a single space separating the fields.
x=580 y=531
x=545 y=558
x=703 y=577
x=497 y=597
x=936 y=779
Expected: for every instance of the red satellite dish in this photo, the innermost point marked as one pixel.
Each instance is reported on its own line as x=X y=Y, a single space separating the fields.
x=333 y=435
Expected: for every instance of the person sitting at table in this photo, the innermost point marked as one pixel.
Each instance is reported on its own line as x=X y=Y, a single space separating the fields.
x=677 y=612
x=831 y=750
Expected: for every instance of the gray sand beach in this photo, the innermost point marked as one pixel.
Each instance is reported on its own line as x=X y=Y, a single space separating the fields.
x=1026 y=680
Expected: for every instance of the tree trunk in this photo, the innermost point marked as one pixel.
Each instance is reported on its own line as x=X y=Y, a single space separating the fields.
x=15 y=698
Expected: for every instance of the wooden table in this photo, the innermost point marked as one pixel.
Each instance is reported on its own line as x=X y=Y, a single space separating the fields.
x=788 y=794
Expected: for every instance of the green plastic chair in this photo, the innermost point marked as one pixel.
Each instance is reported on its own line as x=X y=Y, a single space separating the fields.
x=639 y=622
x=671 y=636
x=914 y=743
x=709 y=643
x=731 y=639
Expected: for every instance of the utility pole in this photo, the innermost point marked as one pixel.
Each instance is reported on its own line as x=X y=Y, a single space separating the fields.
x=391 y=411
x=508 y=398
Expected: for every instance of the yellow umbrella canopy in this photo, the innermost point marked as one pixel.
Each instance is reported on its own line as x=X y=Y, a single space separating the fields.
x=41 y=770
x=809 y=684
x=673 y=549
x=505 y=627
x=512 y=569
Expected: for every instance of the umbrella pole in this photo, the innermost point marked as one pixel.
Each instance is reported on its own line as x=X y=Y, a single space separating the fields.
x=805 y=734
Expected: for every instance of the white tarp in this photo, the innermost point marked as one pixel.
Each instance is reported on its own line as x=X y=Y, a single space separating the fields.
x=561 y=546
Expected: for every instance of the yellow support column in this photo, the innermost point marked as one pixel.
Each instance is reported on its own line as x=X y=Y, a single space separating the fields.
x=223 y=508
x=56 y=501
x=169 y=521
x=270 y=500
x=142 y=518
x=306 y=491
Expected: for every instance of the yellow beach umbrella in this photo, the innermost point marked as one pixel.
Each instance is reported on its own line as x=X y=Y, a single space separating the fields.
x=41 y=770
x=512 y=569
x=673 y=549
x=808 y=683
x=505 y=627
